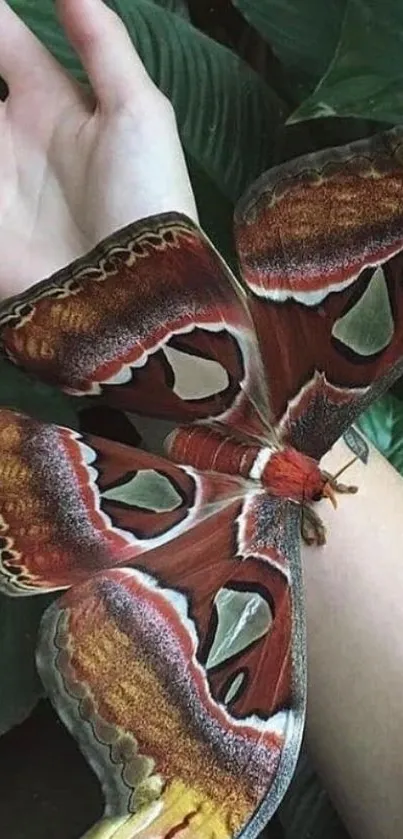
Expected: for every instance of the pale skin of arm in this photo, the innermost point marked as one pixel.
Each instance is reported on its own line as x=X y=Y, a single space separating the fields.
x=89 y=166
x=354 y=587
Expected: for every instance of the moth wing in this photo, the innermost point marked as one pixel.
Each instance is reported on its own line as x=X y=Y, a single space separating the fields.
x=183 y=679
x=319 y=241
x=72 y=505
x=153 y=320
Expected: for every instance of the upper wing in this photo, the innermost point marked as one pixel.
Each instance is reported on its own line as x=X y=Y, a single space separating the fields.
x=319 y=241
x=183 y=677
x=153 y=319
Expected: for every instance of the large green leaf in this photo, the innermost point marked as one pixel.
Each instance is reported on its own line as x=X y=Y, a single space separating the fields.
x=20 y=687
x=312 y=135
x=365 y=76
x=23 y=393
x=216 y=212
x=383 y=425
x=177 y=6
x=303 y=34
x=227 y=116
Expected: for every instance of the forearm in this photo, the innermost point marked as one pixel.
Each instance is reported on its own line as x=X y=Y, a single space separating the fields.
x=354 y=589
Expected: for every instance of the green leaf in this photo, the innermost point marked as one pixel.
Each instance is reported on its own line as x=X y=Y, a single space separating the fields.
x=216 y=212
x=177 y=6
x=20 y=686
x=365 y=76
x=313 y=135
x=383 y=425
x=227 y=115
x=302 y=33
x=21 y=392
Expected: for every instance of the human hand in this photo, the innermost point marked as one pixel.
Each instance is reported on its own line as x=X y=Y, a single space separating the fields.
x=75 y=167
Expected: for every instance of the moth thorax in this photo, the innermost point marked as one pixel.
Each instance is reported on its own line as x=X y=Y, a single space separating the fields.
x=208 y=448
x=294 y=475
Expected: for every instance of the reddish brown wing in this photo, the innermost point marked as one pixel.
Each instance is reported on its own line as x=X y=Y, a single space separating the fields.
x=319 y=241
x=183 y=679
x=241 y=561
x=153 y=319
x=71 y=505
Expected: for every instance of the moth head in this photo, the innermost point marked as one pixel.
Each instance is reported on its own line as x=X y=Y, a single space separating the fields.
x=326 y=491
x=294 y=475
x=316 y=483
x=331 y=485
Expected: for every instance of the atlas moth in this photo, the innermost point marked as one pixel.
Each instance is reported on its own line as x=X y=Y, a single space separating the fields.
x=176 y=655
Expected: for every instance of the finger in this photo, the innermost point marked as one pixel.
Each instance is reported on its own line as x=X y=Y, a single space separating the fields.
x=24 y=61
x=103 y=44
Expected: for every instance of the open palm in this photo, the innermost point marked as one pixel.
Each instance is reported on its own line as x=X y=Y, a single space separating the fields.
x=75 y=167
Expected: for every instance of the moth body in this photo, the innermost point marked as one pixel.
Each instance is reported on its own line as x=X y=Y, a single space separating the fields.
x=282 y=470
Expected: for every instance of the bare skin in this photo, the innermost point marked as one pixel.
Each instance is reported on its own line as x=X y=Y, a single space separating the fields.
x=89 y=165
x=92 y=165
x=354 y=588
